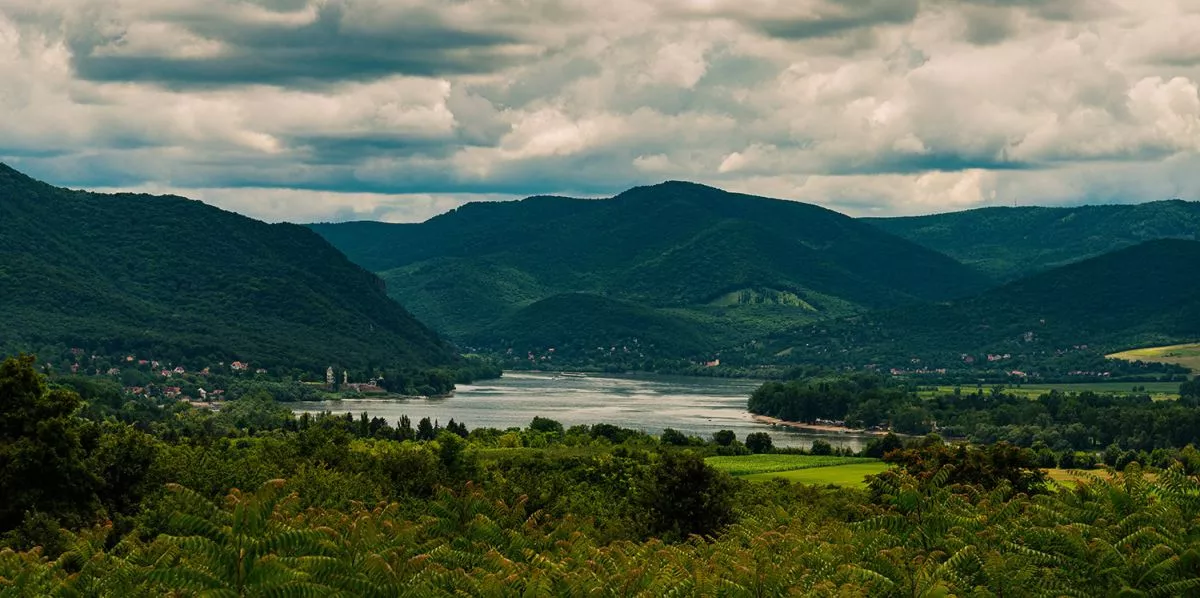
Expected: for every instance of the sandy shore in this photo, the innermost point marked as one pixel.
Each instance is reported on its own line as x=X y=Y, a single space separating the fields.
x=774 y=421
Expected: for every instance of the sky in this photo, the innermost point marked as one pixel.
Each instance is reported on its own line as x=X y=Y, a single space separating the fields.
x=396 y=110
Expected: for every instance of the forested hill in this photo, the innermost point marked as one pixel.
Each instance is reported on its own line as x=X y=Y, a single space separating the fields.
x=1148 y=294
x=172 y=278
x=724 y=261
x=1008 y=243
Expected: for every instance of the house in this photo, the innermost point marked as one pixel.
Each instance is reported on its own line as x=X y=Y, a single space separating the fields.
x=238 y=366
x=114 y=372
x=179 y=370
x=172 y=391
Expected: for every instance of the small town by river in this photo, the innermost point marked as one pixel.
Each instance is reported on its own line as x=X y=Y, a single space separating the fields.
x=650 y=403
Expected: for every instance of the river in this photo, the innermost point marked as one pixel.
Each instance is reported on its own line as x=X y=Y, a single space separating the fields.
x=694 y=406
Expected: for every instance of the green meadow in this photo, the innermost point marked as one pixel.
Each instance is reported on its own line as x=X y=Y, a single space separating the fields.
x=808 y=469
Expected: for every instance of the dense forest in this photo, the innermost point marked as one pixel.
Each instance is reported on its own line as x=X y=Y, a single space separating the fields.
x=1138 y=296
x=109 y=497
x=1056 y=423
x=1009 y=243
x=717 y=267
x=175 y=280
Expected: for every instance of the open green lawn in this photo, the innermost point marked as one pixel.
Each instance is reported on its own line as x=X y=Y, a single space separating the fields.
x=1187 y=356
x=756 y=464
x=850 y=475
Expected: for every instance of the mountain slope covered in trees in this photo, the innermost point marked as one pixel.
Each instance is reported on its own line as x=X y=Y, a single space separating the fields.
x=734 y=266
x=1007 y=243
x=1148 y=294
x=171 y=278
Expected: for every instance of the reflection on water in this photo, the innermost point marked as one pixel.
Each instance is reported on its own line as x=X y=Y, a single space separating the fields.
x=698 y=406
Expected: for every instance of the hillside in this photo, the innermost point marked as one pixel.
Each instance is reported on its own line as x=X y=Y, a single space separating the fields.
x=1148 y=294
x=173 y=278
x=1007 y=243
x=730 y=265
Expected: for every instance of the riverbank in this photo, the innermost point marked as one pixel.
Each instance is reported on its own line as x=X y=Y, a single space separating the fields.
x=775 y=421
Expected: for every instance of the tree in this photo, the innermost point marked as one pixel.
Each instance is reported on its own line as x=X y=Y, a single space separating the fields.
x=759 y=442
x=821 y=447
x=425 y=429
x=880 y=446
x=42 y=467
x=724 y=437
x=545 y=425
x=673 y=437
x=684 y=496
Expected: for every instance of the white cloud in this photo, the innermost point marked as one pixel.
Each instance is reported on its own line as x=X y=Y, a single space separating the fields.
x=318 y=109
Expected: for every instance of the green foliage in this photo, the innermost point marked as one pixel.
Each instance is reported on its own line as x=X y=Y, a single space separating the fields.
x=684 y=496
x=759 y=442
x=700 y=267
x=1137 y=296
x=42 y=460
x=988 y=467
x=1060 y=421
x=177 y=280
x=1008 y=243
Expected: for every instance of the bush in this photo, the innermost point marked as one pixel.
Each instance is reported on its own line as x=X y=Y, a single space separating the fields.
x=759 y=442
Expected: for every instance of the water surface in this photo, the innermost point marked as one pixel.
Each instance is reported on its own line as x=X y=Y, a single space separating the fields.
x=694 y=406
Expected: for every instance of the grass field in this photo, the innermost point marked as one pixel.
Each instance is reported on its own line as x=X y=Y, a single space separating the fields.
x=755 y=464
x=807 y=469
x=851 y=475
x=1187 y=356
x=1157 y=390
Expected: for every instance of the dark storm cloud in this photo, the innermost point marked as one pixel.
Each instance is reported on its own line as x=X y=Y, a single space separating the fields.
x=326 y=50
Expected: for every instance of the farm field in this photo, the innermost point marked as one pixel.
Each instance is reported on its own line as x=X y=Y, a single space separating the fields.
x=757 y=464
x=1187 y=356
x=851 y=475
x=1159 y=391
x=807 y=469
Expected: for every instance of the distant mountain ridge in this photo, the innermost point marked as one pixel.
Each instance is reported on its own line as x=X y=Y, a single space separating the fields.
x=1007 y=243
x=173 y=277
x=680 y=248
x=1144 y=295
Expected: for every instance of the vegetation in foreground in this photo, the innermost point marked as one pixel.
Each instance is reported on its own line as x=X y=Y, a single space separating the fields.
x=139 y=499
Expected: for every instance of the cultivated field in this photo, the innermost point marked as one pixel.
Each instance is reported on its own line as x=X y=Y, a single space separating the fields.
x=808 y=469
x=1187 y=356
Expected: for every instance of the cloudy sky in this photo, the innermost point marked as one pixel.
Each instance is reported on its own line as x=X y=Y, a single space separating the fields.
x=308 y=110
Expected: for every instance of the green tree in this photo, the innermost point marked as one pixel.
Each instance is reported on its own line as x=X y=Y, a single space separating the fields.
x=545 y=425
x=724 y=437
x=759 y=442
x=673 y=437
x=684 y=496
x=42 y=461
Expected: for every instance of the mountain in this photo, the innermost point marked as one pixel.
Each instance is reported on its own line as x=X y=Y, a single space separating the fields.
x=177 y=279
x=1007 y=243
x=1148 y=294
x=730 y=265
